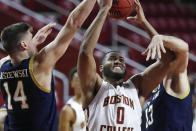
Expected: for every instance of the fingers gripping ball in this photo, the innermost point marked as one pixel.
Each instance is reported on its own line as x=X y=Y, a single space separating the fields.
x=121 y=8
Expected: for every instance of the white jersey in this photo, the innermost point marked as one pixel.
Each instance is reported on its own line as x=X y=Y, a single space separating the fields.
x=80 y=123
x=115 y=109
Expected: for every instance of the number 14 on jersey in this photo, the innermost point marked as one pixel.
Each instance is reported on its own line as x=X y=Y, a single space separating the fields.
x=18 y=96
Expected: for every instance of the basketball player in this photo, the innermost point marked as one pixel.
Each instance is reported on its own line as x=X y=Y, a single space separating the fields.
x=169 y=107
x=38 y=39
x=26 y=81
x=72 y=117
x=111 y=103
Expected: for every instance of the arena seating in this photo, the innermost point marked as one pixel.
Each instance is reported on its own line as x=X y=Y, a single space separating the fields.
x=165 y=15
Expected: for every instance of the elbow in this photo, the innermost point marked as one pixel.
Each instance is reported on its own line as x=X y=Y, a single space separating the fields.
x=74 y=22
x=186 y=47
x=84 y=51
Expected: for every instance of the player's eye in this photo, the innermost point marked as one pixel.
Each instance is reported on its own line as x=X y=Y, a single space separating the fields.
x=112 y=58
x=122 y=60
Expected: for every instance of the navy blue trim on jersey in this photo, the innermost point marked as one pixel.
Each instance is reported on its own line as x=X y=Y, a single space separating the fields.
x=29 y=108
x=163 y=112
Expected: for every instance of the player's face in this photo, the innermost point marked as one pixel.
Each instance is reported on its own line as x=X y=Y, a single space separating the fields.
x=75 y=83
x=114 y=66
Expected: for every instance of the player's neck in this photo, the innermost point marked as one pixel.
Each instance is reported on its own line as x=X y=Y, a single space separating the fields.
x=115 y=82
x=16 y=58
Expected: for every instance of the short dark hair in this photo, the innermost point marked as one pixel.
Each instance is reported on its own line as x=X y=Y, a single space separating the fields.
x=103 y=58
x=11 y=35
x=72 y=72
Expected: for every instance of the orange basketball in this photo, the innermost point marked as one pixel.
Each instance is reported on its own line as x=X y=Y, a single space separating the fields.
x=121 y=8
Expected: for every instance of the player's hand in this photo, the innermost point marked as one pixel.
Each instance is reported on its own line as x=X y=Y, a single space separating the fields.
x=140 y=17
x=105 y=3
x=42 y=34
x=155 y=48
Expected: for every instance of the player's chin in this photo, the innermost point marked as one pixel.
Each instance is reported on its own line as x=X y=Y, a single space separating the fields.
x=118 y=72
x=118 y=75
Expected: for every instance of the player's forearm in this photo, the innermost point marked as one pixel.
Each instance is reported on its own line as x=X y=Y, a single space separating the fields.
x=75 y=21
x=86 y=62
x=175 y=44
x=81 y=12
x=57 y=48
x=149 y=28
x=92 y=34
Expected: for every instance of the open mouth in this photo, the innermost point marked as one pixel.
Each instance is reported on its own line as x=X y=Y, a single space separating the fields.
x=118 y=67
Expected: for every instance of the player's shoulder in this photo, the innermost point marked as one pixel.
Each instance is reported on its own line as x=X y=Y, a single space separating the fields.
x=135 y=80
x=67 y=109
x=3 y=60
x=68 y=112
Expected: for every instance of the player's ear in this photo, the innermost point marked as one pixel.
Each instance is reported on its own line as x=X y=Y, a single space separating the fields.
x=23 y=45
x=101 y=68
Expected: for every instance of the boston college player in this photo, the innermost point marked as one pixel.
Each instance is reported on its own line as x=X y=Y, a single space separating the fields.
x=112 y=104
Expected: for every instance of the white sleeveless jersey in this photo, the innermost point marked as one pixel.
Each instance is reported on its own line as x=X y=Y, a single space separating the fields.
x=115 y=109
x=80 y=123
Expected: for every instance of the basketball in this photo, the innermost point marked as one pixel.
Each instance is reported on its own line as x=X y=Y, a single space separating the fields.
x=121 y=9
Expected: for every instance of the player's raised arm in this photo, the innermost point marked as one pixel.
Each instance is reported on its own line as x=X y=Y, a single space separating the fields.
x=176 y=82
x=155 y=73
x=174 y=61
x=49 y=55
x=140 y=17
x=181 y=49
x=90 y=80
x=42 y=34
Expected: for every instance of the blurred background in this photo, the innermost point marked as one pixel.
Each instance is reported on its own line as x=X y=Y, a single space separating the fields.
x=172 y=17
